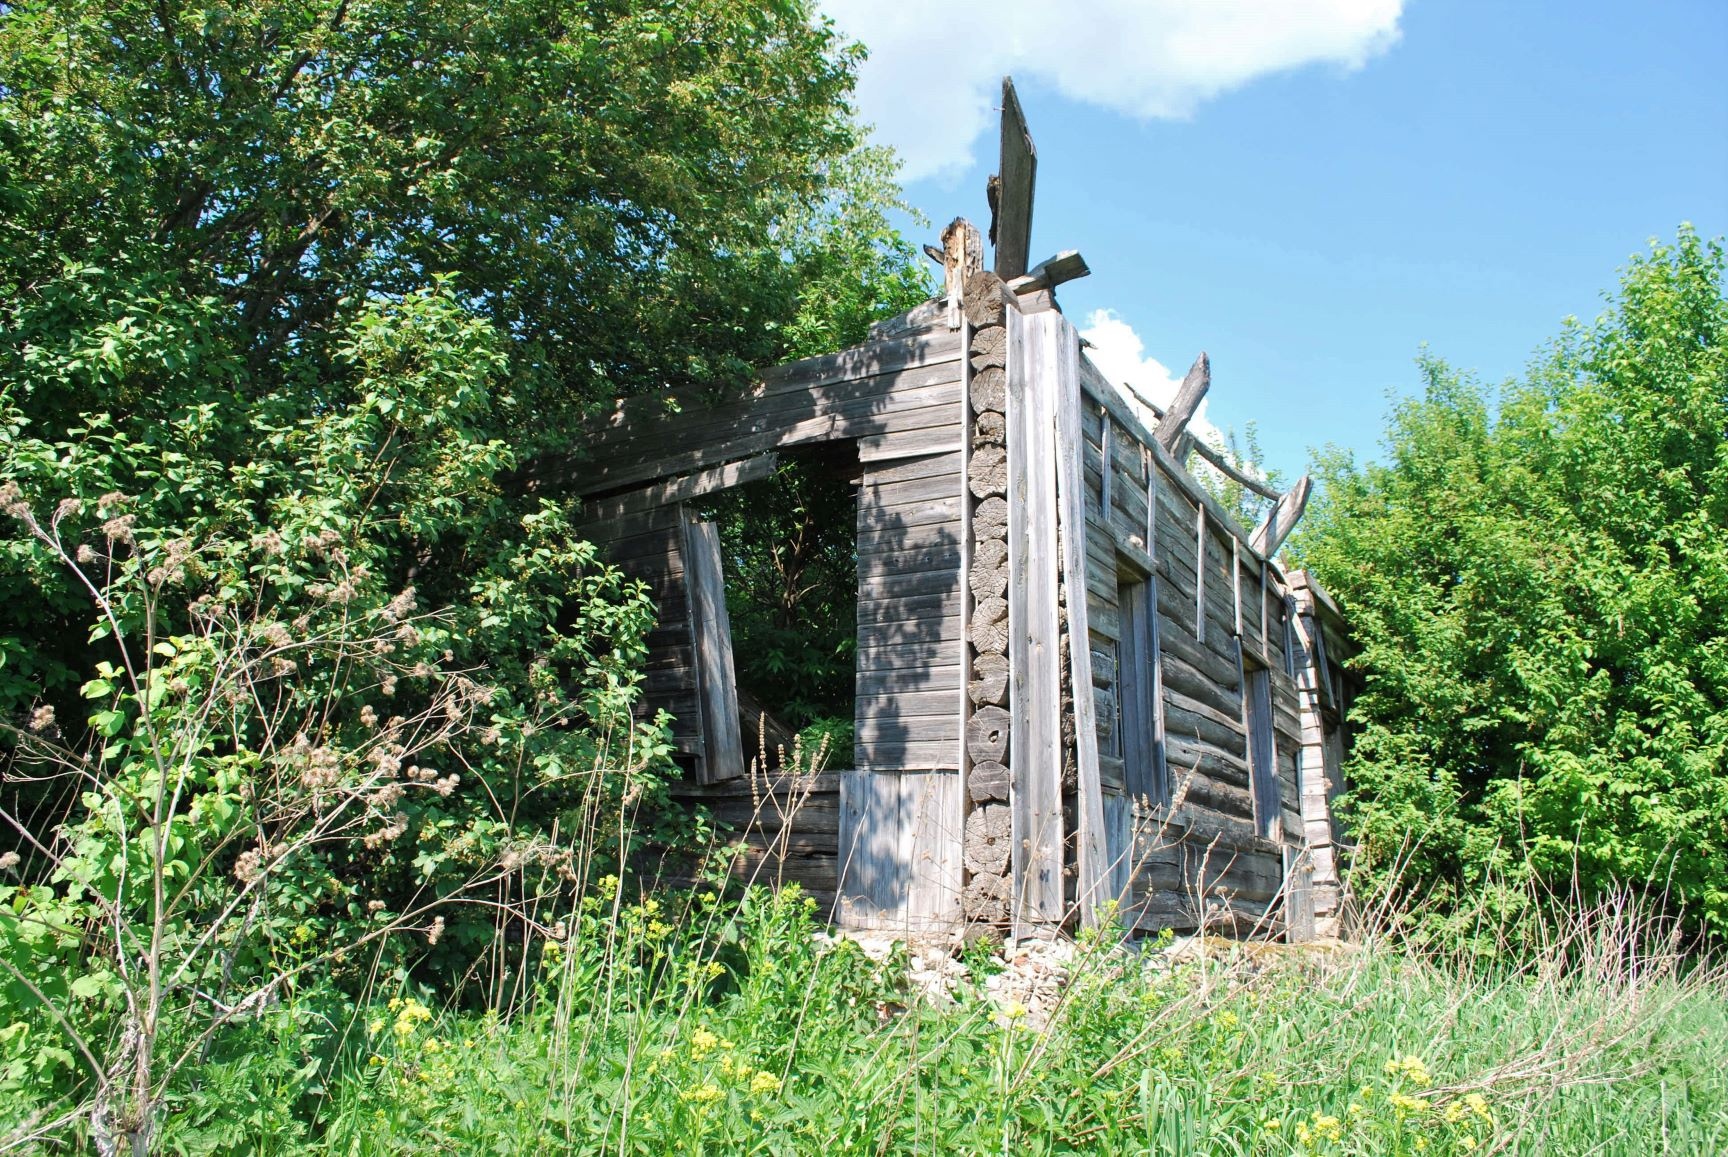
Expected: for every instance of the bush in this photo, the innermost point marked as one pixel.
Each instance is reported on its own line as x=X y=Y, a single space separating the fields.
x=1539 y=583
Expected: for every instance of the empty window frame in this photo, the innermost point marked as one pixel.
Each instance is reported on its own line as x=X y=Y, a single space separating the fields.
x=1262 y=748
x=1140 y=689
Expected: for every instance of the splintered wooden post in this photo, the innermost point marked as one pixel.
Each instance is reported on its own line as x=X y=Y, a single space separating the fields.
x=1011 y=228
x=1187 y=403
x=962 y=257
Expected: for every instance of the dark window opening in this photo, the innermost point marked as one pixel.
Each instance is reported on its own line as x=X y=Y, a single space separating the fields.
x=790 y=546
x=1262 y=749
x=1140 y=689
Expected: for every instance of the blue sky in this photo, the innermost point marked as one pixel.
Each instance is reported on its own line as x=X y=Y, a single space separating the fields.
x=1311 y=198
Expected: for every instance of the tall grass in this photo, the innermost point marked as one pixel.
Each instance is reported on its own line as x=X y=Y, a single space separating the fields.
x=740 y=1027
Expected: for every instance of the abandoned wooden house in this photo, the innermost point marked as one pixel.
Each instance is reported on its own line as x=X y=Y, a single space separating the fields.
x=1078 y=686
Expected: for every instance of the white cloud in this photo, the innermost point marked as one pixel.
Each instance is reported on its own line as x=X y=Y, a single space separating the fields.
x=931 y=82
x=1120 y=355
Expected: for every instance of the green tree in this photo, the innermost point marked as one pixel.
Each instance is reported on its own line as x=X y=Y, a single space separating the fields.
x=1539 y=580
x=291 y=297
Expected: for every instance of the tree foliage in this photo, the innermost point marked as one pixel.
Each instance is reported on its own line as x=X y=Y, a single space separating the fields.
x=290 y=294
x=1539 y=580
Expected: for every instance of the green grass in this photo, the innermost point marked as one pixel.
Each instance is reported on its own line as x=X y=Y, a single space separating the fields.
x=737 y=1029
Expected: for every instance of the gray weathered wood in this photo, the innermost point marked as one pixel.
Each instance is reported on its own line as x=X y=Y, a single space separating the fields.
x=1187 y=402
x=962 y=259
x=988 y=472
x=1100 y=390
x=1200 y=574
x=987 y=781
x=989 y=685
x=1062 y=363
x=986 y=298
x=988 y=390
x=680 y=489
x=872 y=855
x=1282 y=519
x=987 y=734
x=934 y=439
x=1107 y=470
x=989 y=349
x=932 y=812
x=989 y=625
x=1262 y=751
x=1017 y=175
x=990 y=429
x=1063 y=267
x=723 y=745
x=1035 y=690
x=988 y=835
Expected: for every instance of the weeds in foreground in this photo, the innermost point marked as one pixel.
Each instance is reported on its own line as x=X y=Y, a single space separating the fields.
x=741 y=1027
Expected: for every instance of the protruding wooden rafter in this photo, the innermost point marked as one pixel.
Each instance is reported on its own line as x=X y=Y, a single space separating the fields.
x=1186 y=405
x=1272 y=532
x=1013 y=187
x=1065 y=266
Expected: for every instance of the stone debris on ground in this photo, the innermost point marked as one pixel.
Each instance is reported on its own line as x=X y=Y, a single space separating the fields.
x=1026 y=979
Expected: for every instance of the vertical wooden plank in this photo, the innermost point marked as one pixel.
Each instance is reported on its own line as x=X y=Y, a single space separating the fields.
x=1061 y=346
x=1236 y=581
x=872 y=851
x=1263 y=639
x=1104 y=484
x=1298 y=896
x=931 y=809
x=1017 y=176
x=1119 y=826
x=1200 y=573
x=1162 y=787
x=723 y=742
x=1035 y=753
x=967 y=502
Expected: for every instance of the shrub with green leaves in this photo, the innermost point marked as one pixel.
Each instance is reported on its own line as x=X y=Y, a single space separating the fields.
x=1538 y=578
x=307 y=681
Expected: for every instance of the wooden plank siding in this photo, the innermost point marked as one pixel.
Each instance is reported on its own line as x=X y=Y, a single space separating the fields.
x=910 y=632
x=891 y=395
x=1204 y=600
x=1035 y=691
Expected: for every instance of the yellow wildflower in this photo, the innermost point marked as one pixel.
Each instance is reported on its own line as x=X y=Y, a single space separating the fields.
x=1014 y=1010
x=703 y=1094
x=1228 y=1019
x=1272 y=1126
x=1478 y=1104
x=1328 y=1127
x=1411 y=1069
x=1421 y=1144
x=763 y=1084
x=714 y=969
x=410 y=1015
x=1468 y=1144
x=1408 y=1104
x=702 y=1042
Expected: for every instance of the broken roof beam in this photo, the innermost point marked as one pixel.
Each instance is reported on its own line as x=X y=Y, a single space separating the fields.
x=1175 y=421
x=1066 y=266
x=1016 y=176
x=1272 y=532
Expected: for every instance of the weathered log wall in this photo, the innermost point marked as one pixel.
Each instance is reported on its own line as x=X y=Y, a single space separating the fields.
x=1198 y=847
